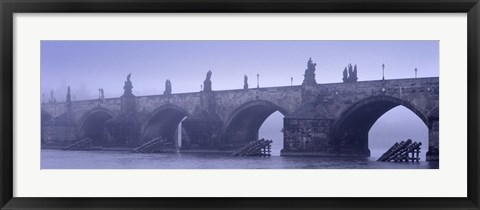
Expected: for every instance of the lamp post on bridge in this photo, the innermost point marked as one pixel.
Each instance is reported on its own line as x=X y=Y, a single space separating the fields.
x=415 y=72
x=383 y=71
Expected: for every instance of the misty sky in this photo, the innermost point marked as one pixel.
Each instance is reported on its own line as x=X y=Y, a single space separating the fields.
x=89 y=65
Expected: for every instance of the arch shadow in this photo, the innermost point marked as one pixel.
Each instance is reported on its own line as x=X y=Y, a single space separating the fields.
x=351 y=129
x=163 y=121
x=92 y=125
x=244 y=122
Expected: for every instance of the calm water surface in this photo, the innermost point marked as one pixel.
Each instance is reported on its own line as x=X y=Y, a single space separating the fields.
x=60 y=159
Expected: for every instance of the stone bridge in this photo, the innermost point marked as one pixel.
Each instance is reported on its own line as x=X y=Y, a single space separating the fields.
x=319 y=119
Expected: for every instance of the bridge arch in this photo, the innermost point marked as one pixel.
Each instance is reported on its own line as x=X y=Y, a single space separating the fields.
x=244 y=122
x=92 y=125
x=433 y=113
x=163 y=121
x=351 y=129
x=45 y=117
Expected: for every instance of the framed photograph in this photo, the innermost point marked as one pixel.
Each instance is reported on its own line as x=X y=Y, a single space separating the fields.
x=239 y=105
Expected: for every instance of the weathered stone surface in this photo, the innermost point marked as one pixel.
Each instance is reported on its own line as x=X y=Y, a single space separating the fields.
x=60 y=131
x=203 y=131
x=123 y=131
x=355 y=107
x=433 y=135
x=308 y=136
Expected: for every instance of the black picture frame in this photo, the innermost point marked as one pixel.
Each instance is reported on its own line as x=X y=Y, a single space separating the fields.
x=9 y=7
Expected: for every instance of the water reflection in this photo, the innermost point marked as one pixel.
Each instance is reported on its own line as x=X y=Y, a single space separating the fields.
x=59 y=159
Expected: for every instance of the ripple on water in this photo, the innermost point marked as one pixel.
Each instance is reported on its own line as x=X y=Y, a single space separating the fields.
x=60 y=159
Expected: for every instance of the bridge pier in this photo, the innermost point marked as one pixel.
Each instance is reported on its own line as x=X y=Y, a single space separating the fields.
x=61 y=131
x=123 y=131
x=307 y=137
x=313 y=137
x=307 y=132
x=202 y=132
x=433 y=142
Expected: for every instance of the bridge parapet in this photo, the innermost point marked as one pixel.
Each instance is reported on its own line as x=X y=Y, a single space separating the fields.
x=79 y=108
x=187 y=101
x=422 y=93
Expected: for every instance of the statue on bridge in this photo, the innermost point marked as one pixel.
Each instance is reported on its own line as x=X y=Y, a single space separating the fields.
x=311 y=65
x=351 y=75
x=207 y=84
x=245 y=82
x=309 y=76
x=100 y=94
x=168 y=88
x=350 y=70
x=69 y=100
x=128 y=86
x=354 y=76
x=52 y=98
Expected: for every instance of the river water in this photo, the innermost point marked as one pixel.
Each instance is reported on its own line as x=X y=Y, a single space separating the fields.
x=60 y=159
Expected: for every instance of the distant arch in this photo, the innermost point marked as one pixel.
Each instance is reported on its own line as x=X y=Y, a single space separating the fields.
x=243 y=123
x=163 y=122
x=45 y=116
x=351 y=128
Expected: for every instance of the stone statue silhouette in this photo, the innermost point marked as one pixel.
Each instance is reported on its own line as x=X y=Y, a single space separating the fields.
x=128 y=86
x=311 y=65
x=52 y=98
x=245 y=82
x=345 y=75
x=100 y=94
x=207 y=84
x=69 y=99
x=168 y=87
x=209 y=75
x=351 y=75
x=354 y=74
x=309 y=76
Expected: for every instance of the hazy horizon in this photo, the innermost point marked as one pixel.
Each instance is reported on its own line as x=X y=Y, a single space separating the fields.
x=86 y=65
